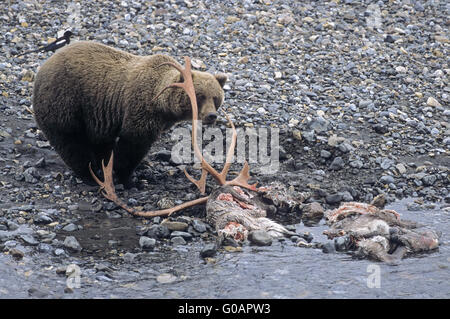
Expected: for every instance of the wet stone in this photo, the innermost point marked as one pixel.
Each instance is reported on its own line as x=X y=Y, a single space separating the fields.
x=294 y=238
x=12 y=225
x=260 y=238
x=70 y=227
x=72 y=244
x=43 y=218
x=387 y=179
x=178 y=240
x=59 y=252
x=340 y=243
x=209 y=250
x=333 y=199
x=30 y=240
x=16 y=253
x=147 y=243
x=173 y=225
x=328 y=248
x=337 y=164
x=312 y=213
x=199 y=226
x=308 y=237
x=182 y=234
x=158 y=231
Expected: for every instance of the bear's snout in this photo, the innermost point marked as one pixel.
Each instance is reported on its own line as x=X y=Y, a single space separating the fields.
x=210 y=118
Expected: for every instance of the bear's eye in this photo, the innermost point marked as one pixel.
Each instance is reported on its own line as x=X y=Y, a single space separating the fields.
x=200 y=98
x=217 y=102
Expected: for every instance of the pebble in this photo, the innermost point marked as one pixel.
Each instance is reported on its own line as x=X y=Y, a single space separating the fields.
x=328 y=248
x=337 y=164
x=30 y=240
x=178 y=240
x=312 y=213
x=387 y=179
x=147 y=243
x=340 y=243
x=16 y=253
x=333 y=199
x=70 y=227
x=43 y=218
x=431 y=101
x=173 y=225
x=72 y=244
x=166 y=278
x=260 y=238
x=158 y=232
x=199 y=225
x=184 y=235
x=209 y=250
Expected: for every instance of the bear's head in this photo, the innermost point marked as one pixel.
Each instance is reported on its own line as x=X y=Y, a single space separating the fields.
x=209 y=93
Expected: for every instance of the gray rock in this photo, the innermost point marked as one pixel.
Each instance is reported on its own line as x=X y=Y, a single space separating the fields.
x=178 y=240
x=387 y=179
x=12 y=225
x=158 y=232
x=429 y=180
x=356 y=164
x=318 y=124
x=174 y=225
x=44 y=248
x=59 y=252
x=30 y=240
x=70 y=227
x=309 y=136
x=328 y=248
x=333 y=199
x=147 y=243
x=312 y=214
x=72 y=244
x=183 y=234
x=340 y=243
x=325 y=154
x=260 y=238
x=337 y=164
x=209 y=250
x=43 y=218
x=199 y=225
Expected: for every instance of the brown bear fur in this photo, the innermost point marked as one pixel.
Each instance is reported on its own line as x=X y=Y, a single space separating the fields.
x=89 y=99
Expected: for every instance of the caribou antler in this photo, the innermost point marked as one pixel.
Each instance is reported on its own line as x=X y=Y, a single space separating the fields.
x=107 y=186
x=109 y=191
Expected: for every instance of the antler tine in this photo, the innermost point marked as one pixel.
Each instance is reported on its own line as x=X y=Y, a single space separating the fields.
x=107 y=186
x=201 y=183
x=242 y=179
x=230 y=151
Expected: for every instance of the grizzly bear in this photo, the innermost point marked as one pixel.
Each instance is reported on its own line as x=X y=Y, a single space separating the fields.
x=89 y=99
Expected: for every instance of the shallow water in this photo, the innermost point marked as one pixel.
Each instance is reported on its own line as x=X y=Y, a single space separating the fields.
x=278 y=271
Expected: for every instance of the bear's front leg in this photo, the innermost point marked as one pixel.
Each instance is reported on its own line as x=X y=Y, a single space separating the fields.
x=128 y=153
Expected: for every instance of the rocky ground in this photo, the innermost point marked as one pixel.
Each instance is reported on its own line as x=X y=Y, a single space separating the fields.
x=359 y=91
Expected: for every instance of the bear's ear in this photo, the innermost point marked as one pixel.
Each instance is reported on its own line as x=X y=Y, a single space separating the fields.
x=221 y=78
